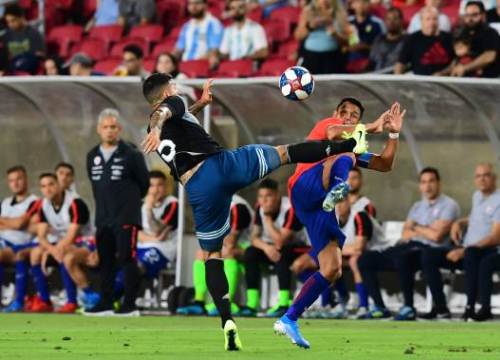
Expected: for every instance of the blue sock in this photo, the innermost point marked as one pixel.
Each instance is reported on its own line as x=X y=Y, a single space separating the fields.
x=312 y=288
x=40 y=282
x=21 y=280
x=342 y=290
x=340 y=170
x=118 y=289
x=326 y=297
x=362 y=294
x=69 y=285
x=304 y=275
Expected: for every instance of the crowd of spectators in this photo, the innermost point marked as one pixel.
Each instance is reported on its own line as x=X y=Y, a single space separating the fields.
x=201 y=37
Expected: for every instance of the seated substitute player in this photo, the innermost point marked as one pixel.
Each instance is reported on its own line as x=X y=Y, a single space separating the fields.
x=316 y=188
x=427 y=226
x=276 y=239
x=63 y=217
x=212 y=174
x=157 y=244
x=233 y=249
x=16 y=213
x=65 y=173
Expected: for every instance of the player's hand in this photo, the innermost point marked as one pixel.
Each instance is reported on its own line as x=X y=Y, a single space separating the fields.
x=456 y=233
x=455 y=255
x=149 y=200
x=58 y=252
x=206 y=96
x=272 y=254
x=458 y=70
x=395 y=118
x=377 y=126
x=151 y=142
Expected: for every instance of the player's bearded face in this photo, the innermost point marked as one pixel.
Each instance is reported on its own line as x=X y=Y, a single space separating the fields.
x=268 y=200
x=17 y=182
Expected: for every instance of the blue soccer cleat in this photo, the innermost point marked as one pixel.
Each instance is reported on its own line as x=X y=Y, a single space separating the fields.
x=337 y=194
x=406 y=313
x=285 y=326
x=193 y=309
x=90 y=300
x=375 y=313
x=14 y=306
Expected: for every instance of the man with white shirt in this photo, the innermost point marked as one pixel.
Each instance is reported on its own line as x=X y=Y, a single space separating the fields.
x=480 y=251
x=244 y=39
x=201 y=36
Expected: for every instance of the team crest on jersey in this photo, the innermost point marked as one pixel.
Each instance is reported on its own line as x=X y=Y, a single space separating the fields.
x=97 y=160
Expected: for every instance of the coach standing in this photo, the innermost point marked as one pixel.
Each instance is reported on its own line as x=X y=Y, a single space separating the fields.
x=119 y=178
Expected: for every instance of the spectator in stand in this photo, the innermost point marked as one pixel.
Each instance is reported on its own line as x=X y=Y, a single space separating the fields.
x=322 y=28
x=428 y=51
x=463 y=55
x=201 y=36
x=480 y=251
x=24 y=44
x=52 y=66
x=387 y=47
x=166 y=63
x=244 y=38
x=443 y=20
x=136 y=12
x=106 y=14
x=493 y=15
x=488 y=4
x=132 y=65
x=81 y=65
x=485 y=44
x=368 y=27
x=268 y=6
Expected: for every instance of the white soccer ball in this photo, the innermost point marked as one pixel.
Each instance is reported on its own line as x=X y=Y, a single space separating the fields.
x=296 y=83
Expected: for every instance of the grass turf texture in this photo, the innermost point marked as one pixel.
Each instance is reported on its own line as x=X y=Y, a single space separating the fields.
x=28 y=336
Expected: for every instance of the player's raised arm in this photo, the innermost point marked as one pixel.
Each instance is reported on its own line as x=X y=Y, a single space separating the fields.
x=204 y=100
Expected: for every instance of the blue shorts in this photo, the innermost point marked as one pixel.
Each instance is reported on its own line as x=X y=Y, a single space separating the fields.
x=87 y=242
x=16 y=248
x=307 y=198
x=212 y=187
x=152 y=260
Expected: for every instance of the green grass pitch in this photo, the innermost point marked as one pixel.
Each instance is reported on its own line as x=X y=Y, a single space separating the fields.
x=52 y=337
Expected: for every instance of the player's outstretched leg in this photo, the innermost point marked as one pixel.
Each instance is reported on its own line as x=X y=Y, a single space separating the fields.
x=330 y=263
x=219 y=290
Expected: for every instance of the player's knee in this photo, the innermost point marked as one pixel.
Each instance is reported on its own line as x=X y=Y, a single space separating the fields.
x=332 y=272
x=36 y=256
x=200 y=255
x=69 y=259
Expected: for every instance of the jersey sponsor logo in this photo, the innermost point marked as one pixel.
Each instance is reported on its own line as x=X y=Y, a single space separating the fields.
x=166 y=150
x=97 y=160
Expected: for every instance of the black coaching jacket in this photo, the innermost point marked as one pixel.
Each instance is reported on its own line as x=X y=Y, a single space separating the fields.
x=118 y=185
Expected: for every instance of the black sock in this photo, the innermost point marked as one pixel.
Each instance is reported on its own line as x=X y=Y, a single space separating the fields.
x=218 y=287
x=313 y=151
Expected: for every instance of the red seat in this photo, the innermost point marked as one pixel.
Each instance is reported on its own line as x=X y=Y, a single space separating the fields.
x=277 y=31
x=117 y=49
x=378 y=10
x=274 y=67
x=89 y=8
x=451 y=11
x=94 y=48
x=236 y=68
x=195 y=68
x=150 y=33
x=167 y=45
x=107 y=66
x=175 y=32
x=357 y=66
x=149 y=64
x=287 y=14
x=171 y=13
x=60 y=4
x=408 y=12
x=255 y=14
x=110 y=34
x=288 y=49
x=61 y=38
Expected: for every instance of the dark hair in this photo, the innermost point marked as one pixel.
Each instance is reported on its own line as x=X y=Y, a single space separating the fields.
x=14 y=10
x=134 y=49
x=58 y=63
x=153 y=86
x=430 y=170
x=396 y=10
x=357 y=170
x=268 y=184
x=172 y=58
x=354 y=102
x=47 y=174
x=479 y=4
x=66 y=165
x=16 y=168
x=156 y=174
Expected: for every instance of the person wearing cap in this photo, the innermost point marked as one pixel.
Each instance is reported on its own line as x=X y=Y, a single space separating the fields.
x=81 y=65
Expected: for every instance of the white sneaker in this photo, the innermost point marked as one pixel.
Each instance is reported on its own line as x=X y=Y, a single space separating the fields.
x=361 y=313
x=338 y=312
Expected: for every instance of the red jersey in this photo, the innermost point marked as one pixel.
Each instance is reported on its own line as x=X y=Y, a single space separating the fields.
x=317 y=133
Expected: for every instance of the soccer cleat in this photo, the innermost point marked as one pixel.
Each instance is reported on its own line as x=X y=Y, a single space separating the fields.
x=338 y=312
x=232 y=341
x=193 y=309
x=277 y=311
x=128 y=311
x=29 y=300
x=483 y=314
x=359 y=135
x=90 y=300
x=406 y=313
x=438 y=314
x=376 y=313
x=361 y=312
x=41 y=306
x=100 y=310
x=285 y=326
x=337 y=194
x=14 y=306
x=68 y=308
x=246 y=311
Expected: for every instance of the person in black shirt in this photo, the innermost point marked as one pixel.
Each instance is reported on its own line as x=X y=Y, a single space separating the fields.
x=485 y=44
x=120 y=179
x=493 y=15
x=427 y=51
x=211 y=175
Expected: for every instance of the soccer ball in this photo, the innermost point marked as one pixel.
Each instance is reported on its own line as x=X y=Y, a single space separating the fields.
x=296 y=83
